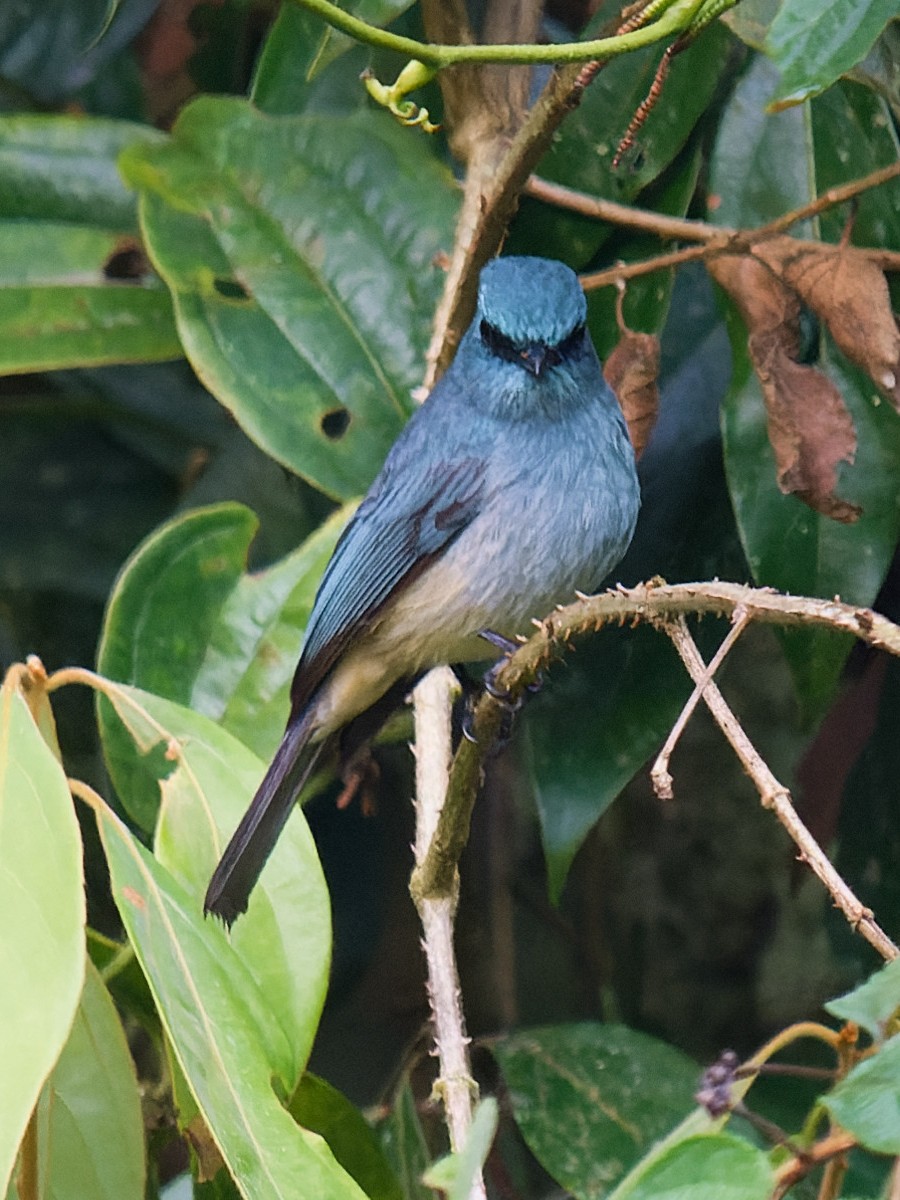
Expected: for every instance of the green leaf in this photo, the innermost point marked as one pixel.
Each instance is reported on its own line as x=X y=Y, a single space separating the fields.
x=760 y=166
x=90 y=1128
x=216 y=1021
x=318 y=1106
x=228 y=1039
x=583 y=149
x=708 y=1167
x=313 y=344
x=206 y=780
x=42 y=932
x=64 y=212
x=230 y=652
x=65 y=169
x=590 y=1099
x=646 y=300
x=57 y=309
x=594 y=731
x=456 y=1173
x=867 y=1102
x=300 y=45
x=854 y=135
x=813 y=45
x=873 y=1003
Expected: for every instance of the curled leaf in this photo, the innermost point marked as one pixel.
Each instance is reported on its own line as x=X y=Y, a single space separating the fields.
x=809 y=427
x=632 y=371
x=849 y=294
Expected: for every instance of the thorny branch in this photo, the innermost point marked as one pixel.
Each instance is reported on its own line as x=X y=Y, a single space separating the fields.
x=662 y=605
x=775 y=795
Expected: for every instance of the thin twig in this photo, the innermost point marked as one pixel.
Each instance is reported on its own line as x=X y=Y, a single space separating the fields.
x=791 y=1172
x=660 y=776
x=714 y=239
x=701 y=231
x=775 y=795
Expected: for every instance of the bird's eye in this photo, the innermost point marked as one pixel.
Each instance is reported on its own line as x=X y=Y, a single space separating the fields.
x=498 y=343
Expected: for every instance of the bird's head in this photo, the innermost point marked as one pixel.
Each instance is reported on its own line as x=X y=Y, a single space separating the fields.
x=531 y=313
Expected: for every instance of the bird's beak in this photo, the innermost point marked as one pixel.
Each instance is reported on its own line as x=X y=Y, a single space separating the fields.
x=534 y=358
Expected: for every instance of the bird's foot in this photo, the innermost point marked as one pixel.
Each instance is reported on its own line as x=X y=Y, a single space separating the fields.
x=360 y=778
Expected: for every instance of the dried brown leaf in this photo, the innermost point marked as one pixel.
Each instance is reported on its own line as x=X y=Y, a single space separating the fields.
x=632 y=371
x=849 y=294
x=809 y=427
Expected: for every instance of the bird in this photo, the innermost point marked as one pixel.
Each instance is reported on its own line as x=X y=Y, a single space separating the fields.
x=509 y=489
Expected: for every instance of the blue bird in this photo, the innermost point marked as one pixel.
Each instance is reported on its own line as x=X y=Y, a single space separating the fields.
x=511 y=487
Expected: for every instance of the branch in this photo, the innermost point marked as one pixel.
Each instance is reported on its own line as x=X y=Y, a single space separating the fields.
x=660 y=604
x=455 y=1084
x=675 y=17
x=775 y=795
x=713 y=239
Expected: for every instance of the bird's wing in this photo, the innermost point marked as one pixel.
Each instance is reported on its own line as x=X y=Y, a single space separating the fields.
x=397 y=531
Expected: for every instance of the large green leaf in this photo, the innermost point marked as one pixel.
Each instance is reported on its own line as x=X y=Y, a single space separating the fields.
x=814 y=44
x=63 y=168
x=217 y=1021
x=764 y=165
x=42 y=931
x=300 y=253
x=186 y=622
x=58 y=310
x=64 y=213
x=206 y=778
x=591 y=1099
x=598 y=725
x=90 y=1130
x=795 y=549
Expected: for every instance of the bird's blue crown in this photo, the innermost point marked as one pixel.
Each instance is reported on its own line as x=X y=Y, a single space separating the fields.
x=531 y=299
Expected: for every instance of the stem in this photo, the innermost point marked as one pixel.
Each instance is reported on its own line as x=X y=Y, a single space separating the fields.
x=455 y=1084
x=676 y=16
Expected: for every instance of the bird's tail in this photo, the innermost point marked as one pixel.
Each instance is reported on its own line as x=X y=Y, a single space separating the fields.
x=255 y=837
